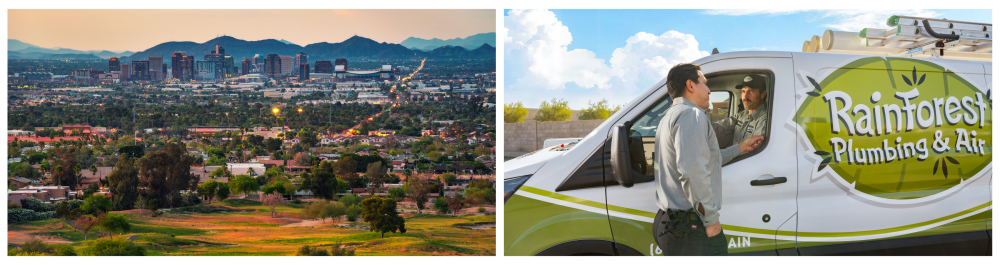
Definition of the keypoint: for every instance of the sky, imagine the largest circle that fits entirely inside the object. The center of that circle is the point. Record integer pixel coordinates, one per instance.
(136, 30)
(587, 55)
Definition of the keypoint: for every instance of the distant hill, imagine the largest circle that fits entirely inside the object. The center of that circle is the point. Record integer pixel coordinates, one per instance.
(33, 51)
(239, 49)
(484, 51)
(14, 45)
(286, 42)
(470, 41)
(358, 47)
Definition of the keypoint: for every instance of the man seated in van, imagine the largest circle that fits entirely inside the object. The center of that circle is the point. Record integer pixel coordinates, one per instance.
(749, 122)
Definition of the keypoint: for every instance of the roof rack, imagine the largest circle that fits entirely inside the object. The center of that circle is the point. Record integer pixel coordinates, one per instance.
(911, 37)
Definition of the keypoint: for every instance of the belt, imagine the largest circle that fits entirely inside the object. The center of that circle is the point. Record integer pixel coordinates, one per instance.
(679, 214)
(679, 221)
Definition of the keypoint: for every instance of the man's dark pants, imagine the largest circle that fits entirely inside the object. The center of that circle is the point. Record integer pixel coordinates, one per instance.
(681, 233)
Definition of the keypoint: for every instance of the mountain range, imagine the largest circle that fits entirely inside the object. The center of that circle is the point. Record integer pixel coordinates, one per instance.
(470, 41)
(21, 50)
(479, 46)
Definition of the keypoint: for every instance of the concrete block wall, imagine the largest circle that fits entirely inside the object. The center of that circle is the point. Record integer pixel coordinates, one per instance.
(530, 135)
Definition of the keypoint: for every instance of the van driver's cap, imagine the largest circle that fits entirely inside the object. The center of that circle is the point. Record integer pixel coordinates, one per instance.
(753, 81)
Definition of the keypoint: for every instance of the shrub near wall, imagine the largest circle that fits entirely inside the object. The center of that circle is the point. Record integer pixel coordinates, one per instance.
(25, 215)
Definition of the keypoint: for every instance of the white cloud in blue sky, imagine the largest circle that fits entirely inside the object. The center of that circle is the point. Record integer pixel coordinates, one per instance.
(588, 55)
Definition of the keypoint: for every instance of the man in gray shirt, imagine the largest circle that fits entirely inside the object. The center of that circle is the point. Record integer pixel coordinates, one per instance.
(749, 122)
(689, 175)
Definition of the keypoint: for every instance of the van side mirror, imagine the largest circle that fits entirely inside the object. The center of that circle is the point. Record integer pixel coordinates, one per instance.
(621, 159)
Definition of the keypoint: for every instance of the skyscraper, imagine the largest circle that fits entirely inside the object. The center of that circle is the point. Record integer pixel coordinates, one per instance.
(227, 65)
(140, 70)
(205, 70)
(286, 64)
(325, 67)
(257, 59)
(181, 67)
(126, 72)
(272, 66)
(114, 64)
(341, 61)
(300, 59)
(303, 72)
(246, 67)
(155, 73)
(219, 49)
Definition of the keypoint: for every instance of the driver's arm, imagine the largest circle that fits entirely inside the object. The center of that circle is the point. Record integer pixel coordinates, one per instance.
(724, 130)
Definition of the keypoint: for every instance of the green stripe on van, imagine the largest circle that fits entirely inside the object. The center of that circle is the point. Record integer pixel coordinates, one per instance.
(620, 209)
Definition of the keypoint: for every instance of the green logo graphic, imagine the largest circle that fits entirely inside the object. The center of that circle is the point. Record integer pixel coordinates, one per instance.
(898, 128)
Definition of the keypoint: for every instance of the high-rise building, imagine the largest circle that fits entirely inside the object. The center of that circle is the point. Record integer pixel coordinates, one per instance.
(219, 49)
(303, 72)
(126, 72)
(272, 66)
(114, 64)
(325, 67)
(140, 70)
(205, 70)
(155, 73)
(286, 64)
(257, 59)
(227, 66)
(300, 59)
(182, 66)
(341, 61)
(246, 67)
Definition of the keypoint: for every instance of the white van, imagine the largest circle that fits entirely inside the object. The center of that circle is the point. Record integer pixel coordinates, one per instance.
(863, 155)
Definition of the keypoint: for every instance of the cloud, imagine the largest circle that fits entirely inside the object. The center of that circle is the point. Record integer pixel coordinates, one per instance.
(536, 58)
(744, 12)
(844, 20)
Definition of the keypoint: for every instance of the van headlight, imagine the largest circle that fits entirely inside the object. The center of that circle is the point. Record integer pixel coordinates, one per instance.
(512, 184)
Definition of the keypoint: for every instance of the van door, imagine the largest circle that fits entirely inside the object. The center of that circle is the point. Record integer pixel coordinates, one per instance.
(751, 213)
(895, 156)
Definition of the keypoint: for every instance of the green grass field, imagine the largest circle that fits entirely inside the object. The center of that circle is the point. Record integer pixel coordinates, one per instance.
(247, 229)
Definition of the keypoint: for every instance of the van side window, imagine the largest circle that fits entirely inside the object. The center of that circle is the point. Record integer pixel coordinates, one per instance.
(642, 138)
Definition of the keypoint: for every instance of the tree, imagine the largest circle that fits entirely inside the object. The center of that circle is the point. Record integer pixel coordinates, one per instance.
(93, 170)
(397, 193)
(86, 223)
(441, 205)
(598, 111)
(223, 191)
(321, 182)
(514, 112)
(315, 210)
(243, 184)
(141, 203)
(455, 203)
(272, 144)
(165, 172)
(350, 200)
(209, 189)
(220, 172)
(96, 204)
(556, 110)
(115, 247)
(123, 183)
(116, 223)
(417, 188)
(381, 216)
(91, 189)
(333, 211)
(301, 159)
(449, 178)
(376, 175)
(273, 200)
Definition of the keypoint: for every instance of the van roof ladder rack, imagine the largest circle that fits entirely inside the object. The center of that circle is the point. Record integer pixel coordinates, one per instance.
(912, 37)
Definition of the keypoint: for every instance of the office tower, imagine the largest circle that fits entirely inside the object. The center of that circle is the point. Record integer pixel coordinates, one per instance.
(182, 66)
(325, 67)
(140, 70)
(219, 49)
(286, 64)
(205, 70)
(114, 64)
(246, 67)
(300, 59)
(155, 74)
(303, 72)
(227, 66)
(272, 66)
(126, 72)
(257, 59)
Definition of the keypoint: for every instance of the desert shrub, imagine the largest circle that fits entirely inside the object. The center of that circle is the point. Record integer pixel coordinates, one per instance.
(65, 250)
(337, 251)
(441, 206)
(12, 205)
(156, 213)
(481, 210)
(311, 251)
(34, 204)
(190, 198)
(241, 202)
(115, 247)
(25, 215)
(297, 201)
(353, 212)
(37, 246)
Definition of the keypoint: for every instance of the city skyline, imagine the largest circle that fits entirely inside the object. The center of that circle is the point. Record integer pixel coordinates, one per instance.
(47, 28)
